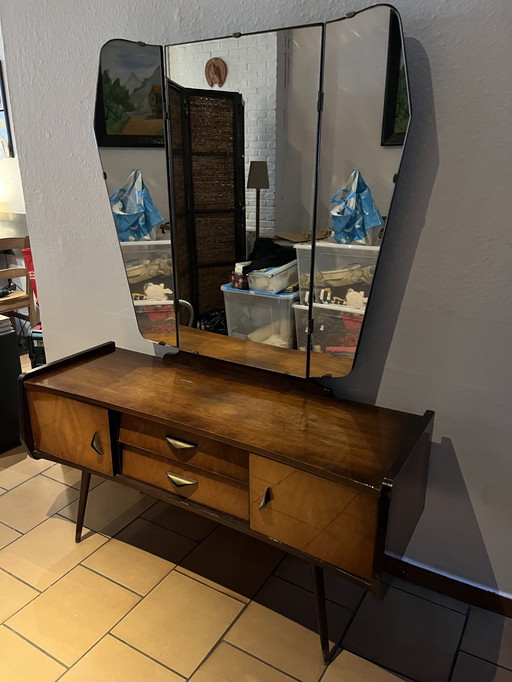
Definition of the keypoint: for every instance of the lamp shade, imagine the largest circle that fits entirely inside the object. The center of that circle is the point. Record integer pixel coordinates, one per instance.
(258, 175)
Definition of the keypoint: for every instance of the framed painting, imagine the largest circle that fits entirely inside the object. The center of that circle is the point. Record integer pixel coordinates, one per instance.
(129, 101)
(5, 128)
(396, 114)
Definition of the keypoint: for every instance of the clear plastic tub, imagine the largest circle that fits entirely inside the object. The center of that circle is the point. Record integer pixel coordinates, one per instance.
(338, 268)
(260, 317)
(274, 280)
(336, 328)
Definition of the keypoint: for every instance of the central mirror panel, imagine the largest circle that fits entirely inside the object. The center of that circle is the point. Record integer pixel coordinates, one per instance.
(274, 158)
(232, 146)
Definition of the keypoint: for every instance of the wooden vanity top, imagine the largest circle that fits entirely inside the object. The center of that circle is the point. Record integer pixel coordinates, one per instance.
(351, 442)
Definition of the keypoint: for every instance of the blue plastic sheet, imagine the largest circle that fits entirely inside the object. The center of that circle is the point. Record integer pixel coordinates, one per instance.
(135, 214)
(356, 215)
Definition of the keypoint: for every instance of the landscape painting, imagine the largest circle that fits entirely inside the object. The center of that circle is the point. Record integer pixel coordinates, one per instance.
(129, 103)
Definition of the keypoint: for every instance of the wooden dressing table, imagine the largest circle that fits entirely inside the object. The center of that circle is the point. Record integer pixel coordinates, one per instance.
(335, 482)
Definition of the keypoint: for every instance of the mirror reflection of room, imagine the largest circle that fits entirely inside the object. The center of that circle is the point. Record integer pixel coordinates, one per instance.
(249, 190)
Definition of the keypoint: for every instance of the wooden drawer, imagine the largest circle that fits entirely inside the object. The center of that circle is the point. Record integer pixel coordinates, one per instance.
(326, 519)
(206, 454)
(71, 430)
(213, 491)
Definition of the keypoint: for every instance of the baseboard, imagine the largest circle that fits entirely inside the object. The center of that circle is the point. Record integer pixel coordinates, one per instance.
(470, 594)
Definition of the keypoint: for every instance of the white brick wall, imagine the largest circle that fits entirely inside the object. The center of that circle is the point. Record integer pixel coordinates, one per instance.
(252, 71)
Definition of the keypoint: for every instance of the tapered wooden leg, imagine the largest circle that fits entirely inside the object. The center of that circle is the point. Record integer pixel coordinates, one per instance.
(84, 490)
(321, 612)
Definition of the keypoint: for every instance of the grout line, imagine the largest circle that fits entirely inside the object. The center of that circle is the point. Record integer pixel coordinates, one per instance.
(331, 601)
(143, 653)
(30, 478)
(485, 660)
(270, 665)
(212, 587)
(111, 580)
(457, 648)
(36, 646)
(221, 638)
(21, 581)
(430, 601)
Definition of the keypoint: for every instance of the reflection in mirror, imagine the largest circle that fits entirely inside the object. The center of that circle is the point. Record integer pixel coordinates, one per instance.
(243, 165)
(129, 126)
(360, 66)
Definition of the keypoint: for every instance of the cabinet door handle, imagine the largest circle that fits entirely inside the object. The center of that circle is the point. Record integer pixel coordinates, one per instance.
(179, 444)
(265, 499)
(180, 481)
(96, 444)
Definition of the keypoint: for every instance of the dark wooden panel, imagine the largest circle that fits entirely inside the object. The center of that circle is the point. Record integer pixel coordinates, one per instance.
(338, 439)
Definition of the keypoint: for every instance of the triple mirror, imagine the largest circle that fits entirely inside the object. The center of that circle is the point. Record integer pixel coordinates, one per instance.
(251, 179)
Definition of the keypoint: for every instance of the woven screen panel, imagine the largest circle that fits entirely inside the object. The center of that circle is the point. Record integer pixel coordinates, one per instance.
(213, 182)
(210, 280)
(178, 184)
(211, 124)
(175, 109)
(215, 235)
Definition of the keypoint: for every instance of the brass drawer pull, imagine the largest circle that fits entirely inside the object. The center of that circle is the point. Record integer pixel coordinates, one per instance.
(179, 444)
(96, 444)
(265, 499)
(180, 481)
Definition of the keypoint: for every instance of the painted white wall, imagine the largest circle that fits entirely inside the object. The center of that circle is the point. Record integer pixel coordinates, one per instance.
(446, 348)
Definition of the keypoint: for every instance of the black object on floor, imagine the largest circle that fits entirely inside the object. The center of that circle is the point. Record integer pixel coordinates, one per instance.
(36, 347)
(10, 369)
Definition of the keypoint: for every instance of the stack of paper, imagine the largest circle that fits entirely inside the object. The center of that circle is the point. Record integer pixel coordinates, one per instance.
(5, 325)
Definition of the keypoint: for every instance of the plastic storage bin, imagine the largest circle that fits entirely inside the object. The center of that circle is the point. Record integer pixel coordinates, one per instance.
(274, 280)
(336, 328)
(338, 268)
(260, 317)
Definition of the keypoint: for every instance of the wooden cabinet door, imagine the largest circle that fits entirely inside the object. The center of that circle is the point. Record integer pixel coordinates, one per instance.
(71, 430)
(328, 520)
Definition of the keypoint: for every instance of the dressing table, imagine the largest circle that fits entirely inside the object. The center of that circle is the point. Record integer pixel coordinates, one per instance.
(242, 432)
(335, 482)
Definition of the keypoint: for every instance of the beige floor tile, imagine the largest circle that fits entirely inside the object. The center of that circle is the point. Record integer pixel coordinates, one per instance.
(22, 662)
(110, 507)
(228, 664)
(16, 466)
(14, 595)
(33, 502)
(47, 552)
(286, 645)
(351, 668)
(156, 540)
(130, 566)
(7, 535)
(113, 661)
(70, 476)
(178, 622)
(181, 521)
(73, 614)
(232, 562)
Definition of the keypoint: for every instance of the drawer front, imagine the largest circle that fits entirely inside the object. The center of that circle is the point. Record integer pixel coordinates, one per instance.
(74, 431)
(206, 454)
(323, 518)
(213, 491)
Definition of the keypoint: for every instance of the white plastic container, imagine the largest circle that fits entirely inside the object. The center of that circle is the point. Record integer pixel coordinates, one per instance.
(332, 260)
(274, 280)
(336, 328)
(260, 317)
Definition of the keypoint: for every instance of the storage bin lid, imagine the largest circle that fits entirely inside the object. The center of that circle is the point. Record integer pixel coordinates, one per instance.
(248, 292)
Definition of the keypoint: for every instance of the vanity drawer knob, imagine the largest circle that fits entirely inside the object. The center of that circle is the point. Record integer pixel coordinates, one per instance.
(96, 444)
(180, 481)
(265, 499)
(179, 444)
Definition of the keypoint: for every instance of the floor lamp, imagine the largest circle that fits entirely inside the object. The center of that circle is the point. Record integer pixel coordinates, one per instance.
(258, 180)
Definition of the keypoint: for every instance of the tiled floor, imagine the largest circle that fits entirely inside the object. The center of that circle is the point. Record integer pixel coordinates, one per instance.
(156, 594)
